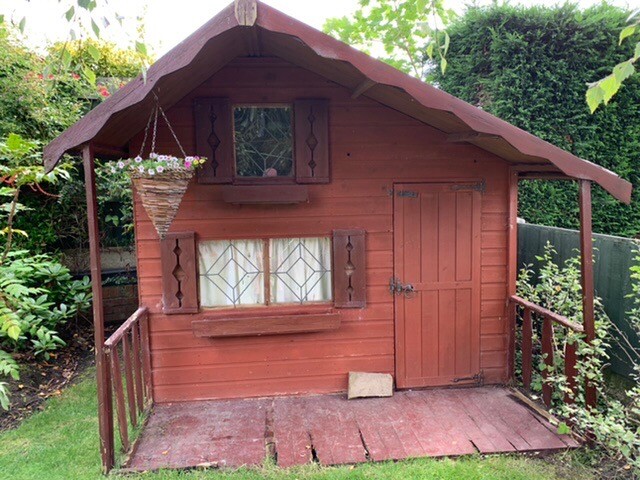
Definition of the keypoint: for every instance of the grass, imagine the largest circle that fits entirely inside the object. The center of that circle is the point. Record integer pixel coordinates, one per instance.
(61, 442)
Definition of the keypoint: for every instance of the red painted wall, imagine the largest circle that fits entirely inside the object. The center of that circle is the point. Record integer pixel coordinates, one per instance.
(372, 147)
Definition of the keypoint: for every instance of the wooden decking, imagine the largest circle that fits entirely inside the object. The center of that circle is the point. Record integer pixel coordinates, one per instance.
(332, 430)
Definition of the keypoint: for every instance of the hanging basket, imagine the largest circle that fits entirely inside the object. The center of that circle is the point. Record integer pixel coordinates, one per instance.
(161, 195)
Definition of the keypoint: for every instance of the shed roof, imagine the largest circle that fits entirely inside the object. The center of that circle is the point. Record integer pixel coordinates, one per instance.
(251, 28)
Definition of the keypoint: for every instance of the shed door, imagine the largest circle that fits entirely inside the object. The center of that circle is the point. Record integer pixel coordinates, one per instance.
(437, 252)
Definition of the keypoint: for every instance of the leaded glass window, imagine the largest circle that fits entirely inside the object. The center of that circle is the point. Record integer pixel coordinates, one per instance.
(263, 141)
(300, 270)
(233, 272)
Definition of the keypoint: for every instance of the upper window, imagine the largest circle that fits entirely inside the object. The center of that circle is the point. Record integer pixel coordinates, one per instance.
(233, 272)
(263, 141)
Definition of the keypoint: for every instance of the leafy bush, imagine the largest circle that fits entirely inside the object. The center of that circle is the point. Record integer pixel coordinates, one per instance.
(37, 293)
(530, 66)
(613, 424)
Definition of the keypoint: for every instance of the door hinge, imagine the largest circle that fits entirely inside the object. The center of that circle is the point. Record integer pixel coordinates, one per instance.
(478, 379)
(407, 193)
(478, 187)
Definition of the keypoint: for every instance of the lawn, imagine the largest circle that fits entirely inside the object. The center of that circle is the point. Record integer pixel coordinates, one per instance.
(61, 442)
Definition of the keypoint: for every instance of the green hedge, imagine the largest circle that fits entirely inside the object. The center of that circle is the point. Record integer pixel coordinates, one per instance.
(530, 66)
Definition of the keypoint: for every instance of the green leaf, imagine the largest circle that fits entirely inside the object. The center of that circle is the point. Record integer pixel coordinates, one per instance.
(94, 52)
(141, 48)
(610, 86)
(95, 28)
(623, 70)
(89, 75)
(65, 58)
(70, 13)
(627, 32)
(14, 332)
(563, 429)
(22, 24)
(595, 96)
(1, 19)
(636, 54)
(443, 64)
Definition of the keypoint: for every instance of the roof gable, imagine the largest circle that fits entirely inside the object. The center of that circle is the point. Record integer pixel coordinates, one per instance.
(251, 28)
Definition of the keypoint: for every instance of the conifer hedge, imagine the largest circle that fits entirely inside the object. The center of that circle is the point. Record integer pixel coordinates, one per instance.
(530, 66)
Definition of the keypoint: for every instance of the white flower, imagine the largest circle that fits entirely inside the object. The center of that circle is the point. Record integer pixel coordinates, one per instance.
(151, 171)
(121, 164)
(141, 169)
(162, 158)
(113, 170)
(189, 159)
(153, 155)
(160, 169)
(138, 159)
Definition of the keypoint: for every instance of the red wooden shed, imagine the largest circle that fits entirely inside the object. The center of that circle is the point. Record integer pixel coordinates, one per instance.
(349, 218)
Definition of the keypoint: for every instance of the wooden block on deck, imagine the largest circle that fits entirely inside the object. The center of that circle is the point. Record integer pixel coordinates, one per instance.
(363, 385)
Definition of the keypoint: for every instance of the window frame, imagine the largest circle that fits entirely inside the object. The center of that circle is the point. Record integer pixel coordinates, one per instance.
(266, 284)
(242, 180)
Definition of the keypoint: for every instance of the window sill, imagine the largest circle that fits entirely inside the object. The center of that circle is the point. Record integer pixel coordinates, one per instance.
(267, 194)
(265, 323)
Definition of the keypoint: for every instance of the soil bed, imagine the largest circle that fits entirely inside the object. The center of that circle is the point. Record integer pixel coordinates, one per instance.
(41, 379)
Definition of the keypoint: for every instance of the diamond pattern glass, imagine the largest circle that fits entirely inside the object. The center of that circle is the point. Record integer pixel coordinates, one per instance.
(231, 273)
(300, 270)
(263, 141)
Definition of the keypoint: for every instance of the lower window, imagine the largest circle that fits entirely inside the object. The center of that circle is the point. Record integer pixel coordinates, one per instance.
(263, 272)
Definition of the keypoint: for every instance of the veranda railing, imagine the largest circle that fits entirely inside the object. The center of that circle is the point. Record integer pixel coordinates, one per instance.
(531, 312)
(127, 354)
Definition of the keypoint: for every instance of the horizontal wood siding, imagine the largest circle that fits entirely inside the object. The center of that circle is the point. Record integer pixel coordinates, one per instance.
(371, 147)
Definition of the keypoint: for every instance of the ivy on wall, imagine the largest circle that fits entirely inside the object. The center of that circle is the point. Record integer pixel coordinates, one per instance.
(530, 66)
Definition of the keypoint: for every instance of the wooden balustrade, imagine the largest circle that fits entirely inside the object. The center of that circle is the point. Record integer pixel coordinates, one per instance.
(549, 321)
(127, 354)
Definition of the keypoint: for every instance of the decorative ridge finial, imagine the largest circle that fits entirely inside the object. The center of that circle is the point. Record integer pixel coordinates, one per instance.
(246, 12)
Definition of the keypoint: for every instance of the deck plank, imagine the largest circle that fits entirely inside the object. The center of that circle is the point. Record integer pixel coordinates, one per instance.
(435, 422)
(293, 445)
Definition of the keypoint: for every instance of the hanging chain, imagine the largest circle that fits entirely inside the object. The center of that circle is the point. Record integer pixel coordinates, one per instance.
(155, 130)
(154, 116)
(146, 134)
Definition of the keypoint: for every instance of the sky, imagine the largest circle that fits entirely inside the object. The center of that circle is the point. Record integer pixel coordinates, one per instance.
(167, 22)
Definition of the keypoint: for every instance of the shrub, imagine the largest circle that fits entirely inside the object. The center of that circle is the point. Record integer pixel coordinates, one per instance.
(613, 424)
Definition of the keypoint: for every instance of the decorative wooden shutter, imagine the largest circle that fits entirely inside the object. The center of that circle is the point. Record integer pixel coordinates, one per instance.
(179, 275)
(214, 139)
(349, 269)
(312, 140)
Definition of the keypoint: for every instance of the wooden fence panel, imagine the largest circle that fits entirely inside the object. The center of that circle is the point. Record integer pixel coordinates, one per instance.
(613, 258)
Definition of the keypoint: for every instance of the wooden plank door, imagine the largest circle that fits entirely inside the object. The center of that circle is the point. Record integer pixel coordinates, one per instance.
(437, 251)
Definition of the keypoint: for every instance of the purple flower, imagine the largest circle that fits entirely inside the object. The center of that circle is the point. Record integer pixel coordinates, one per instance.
(138, 159)
(121, 164)
(187, 165)
(153, 155)
(160, 169)
(151, 171)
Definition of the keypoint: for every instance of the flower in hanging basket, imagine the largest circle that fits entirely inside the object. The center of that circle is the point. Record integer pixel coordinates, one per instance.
(161, 181)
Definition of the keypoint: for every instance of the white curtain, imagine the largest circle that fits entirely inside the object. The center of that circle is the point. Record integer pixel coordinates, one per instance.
(300, 270)
(231, 272)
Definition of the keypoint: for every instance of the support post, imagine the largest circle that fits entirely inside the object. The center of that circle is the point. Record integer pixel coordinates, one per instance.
(105, 405)
(512, 272)
(586, 262)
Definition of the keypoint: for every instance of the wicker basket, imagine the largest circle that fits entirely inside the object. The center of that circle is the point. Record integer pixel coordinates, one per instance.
(161, 195)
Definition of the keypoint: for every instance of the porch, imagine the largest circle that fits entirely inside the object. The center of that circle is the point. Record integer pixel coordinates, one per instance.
(331, 430)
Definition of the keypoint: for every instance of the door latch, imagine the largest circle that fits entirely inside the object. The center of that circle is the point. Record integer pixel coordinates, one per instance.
(397, 288)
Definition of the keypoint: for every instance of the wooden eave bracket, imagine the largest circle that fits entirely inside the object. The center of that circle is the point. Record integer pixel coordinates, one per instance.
(246, 12)
(362, 87)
